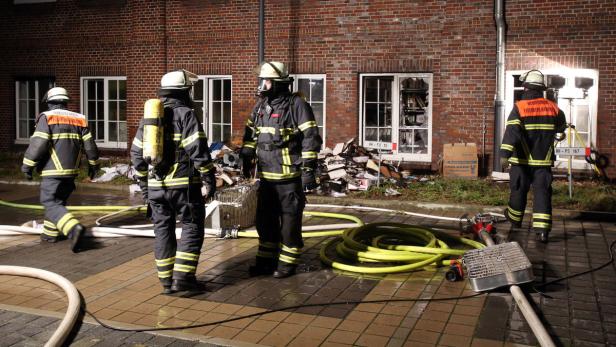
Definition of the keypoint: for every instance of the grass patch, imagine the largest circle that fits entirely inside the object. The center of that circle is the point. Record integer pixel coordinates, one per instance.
(588, 195)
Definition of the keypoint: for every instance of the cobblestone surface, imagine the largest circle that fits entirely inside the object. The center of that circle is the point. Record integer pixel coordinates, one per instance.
(27, 330)
(117, 279)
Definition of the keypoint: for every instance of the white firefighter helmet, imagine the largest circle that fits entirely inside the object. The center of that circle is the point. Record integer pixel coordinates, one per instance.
(178, 80)
(274, 70)
(56, 94)
(533, 78)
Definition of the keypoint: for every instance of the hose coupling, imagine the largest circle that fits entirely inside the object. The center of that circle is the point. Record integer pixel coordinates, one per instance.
(229, 233)
(455, 273)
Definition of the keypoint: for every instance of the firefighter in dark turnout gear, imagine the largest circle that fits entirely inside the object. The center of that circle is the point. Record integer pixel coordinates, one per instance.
(55, 151)
(282, 134)
(528, 145)
(174, 186)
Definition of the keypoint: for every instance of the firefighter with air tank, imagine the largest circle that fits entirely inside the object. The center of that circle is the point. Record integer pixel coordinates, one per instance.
(175, 172)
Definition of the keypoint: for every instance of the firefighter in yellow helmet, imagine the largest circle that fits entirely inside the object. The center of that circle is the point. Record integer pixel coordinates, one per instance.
(528, 145)
(175, 181)
(55, 149)
(282, 135)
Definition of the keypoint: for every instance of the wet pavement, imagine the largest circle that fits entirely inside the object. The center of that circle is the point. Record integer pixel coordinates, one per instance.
(118, 281)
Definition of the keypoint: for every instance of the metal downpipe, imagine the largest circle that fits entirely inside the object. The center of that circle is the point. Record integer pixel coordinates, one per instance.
(499, 100)
(261, 31)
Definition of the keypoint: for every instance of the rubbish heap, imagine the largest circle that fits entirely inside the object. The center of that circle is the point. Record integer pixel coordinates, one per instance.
(347, 167)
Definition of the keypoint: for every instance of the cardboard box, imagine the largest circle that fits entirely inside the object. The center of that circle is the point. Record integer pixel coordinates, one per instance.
(460, 160)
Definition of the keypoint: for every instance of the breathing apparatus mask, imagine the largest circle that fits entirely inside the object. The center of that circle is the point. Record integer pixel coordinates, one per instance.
(273, 79)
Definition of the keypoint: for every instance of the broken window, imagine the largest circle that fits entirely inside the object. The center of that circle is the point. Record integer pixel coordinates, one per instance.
(395, 114)
(29, 93)
(103, 102)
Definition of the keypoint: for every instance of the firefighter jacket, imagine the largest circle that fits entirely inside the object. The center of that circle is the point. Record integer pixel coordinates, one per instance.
(56, 146)
(284, 135)
(186, 155)
(531, 127)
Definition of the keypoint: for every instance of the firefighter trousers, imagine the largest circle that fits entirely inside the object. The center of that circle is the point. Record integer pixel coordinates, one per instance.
(54, 194)
(279, 221)
(522, 177)
(177, 259)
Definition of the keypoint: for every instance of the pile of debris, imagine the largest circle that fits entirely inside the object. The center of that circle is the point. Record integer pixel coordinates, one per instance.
(351, 167)
(347, 167)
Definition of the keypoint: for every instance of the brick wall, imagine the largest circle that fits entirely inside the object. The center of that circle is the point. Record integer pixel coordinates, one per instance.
(455, 40)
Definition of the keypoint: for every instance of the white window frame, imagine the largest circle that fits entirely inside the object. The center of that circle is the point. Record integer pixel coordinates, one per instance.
(315, 76)
(591, 100)
(395, 116)
(26, 140)
(105, 143)
(208, 125)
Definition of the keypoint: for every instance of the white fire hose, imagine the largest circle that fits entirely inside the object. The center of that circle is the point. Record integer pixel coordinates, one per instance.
(74, 300)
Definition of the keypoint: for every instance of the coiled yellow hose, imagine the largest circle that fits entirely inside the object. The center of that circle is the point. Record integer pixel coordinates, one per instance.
(401, 249)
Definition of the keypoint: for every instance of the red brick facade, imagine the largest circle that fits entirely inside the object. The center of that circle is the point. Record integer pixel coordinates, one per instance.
(454, 40)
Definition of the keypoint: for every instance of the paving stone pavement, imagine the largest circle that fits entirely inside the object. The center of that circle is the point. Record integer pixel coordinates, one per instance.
(29, 330)
(119, 284)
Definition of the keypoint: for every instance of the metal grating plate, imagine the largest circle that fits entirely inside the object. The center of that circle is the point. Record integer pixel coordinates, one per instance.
(496, 266)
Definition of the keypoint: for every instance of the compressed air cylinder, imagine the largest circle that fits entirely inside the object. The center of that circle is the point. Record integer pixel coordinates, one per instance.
(153, 131)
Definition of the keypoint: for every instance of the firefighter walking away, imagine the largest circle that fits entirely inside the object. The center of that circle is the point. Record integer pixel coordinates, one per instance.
(171, 157)
(528, 146)
(282, 136)
(55, 150)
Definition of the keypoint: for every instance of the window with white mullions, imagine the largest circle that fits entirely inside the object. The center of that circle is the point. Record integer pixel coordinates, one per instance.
(103, 102)
(116, 96)
(312, 88)
(377, 105)
(396, 114)
(29, 104)
(220, 106)
(213, 108)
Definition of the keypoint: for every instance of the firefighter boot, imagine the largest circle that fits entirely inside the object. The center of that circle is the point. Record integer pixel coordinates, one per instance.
(166, 282)
(263, 266)
(48, 238)
(285, 270)
(76, 235)
(189, 284)
(515, 224)
(542, 235)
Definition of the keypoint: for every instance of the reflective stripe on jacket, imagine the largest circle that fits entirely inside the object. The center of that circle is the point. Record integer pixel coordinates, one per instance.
(57, 142)
(284, 135)
(530, 130)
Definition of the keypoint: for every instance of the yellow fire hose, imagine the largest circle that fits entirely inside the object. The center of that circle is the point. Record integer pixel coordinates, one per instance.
(349, 245)
(70, 208)
(399, 249)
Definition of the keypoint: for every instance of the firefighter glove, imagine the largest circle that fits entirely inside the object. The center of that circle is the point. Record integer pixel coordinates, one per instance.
(209, 185)
(92, 171)
(309, 180)
(148, 211)
(504, 163)
(27, 170)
